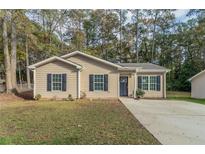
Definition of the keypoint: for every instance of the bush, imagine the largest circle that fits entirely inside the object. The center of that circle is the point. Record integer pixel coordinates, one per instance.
(82, 95)
(38, 97)
(139, 93)
(70, 98)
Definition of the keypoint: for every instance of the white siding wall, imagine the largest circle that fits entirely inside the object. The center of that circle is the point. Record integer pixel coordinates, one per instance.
(198, 86)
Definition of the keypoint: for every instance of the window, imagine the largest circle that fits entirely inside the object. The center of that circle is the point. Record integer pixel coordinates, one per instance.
(57, 82)
(151, 83)
(145, 83)
(98, 82)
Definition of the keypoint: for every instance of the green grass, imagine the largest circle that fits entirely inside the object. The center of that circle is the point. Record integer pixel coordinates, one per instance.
(61, 122)
(185, 96)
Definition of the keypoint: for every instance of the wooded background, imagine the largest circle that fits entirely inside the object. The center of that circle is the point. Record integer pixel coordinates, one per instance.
(155, 36)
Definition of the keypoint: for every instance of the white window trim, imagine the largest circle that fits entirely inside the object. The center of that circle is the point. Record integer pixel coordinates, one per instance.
(153, 83)
(57, 82)
(149, 82)
(98, 82)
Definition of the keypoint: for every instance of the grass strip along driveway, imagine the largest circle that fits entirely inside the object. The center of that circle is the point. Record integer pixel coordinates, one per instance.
(77, 122)
(184, 96)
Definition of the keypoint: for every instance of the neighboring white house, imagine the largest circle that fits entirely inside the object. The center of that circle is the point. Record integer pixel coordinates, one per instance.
(198, 85)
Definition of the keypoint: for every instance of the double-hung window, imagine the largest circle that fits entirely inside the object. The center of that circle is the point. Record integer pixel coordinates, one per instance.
(98, 82)
(145, 80)
(149, 83)
(153, 83)
(57, 82)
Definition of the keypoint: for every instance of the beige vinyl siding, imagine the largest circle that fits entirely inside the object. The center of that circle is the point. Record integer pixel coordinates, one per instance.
(153, 94)
(91, 66)
(198, 86)
(131, 85)
(56, 67)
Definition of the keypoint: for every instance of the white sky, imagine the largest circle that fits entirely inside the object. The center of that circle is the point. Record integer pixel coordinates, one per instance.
(181, 14)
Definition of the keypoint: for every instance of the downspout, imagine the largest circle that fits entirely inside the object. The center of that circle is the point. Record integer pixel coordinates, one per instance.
(118, 85)
(165, 85)
(135, 87)
(78, 89)
(135, 81)
(34, 83)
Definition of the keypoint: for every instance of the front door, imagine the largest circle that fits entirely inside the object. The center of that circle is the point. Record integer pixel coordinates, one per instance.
(123, 86)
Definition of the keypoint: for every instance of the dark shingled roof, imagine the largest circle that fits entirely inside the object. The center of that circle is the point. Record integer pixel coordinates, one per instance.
(143, 65)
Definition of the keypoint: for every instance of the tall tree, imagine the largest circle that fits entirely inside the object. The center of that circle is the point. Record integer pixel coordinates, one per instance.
(7, 64)
(154, 33)
(13, 49)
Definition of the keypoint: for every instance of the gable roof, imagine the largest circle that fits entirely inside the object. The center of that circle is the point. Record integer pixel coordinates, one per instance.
(90, 56)
(52, 59)
(145, 66)
(200, 73)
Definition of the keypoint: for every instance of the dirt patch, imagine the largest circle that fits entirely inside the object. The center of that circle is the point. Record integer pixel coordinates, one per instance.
(9, 97)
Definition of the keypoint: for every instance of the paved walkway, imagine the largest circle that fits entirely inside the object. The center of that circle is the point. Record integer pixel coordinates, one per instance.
(171, 122)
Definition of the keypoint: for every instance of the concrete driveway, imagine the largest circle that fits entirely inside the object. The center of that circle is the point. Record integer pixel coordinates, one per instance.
(171, 122)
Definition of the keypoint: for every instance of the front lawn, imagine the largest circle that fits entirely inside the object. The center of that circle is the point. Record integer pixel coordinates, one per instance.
(61, 122)
(185, 96)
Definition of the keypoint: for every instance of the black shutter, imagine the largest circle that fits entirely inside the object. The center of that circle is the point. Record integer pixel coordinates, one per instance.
(105, 82)
(48, 82)
(139, 82)
(64, 77)
(158, 83)
(91, 82)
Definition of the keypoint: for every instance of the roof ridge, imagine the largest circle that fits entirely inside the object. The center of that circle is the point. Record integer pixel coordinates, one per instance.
(90, 56)
(33, 66)
(201, 72)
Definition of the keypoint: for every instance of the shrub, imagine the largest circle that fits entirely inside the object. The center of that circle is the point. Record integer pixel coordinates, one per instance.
(70, 97)
(38, 97)
(82, 95)
(139, 93)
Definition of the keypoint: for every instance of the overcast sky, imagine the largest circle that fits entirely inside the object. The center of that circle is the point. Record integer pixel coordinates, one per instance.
(181, 15)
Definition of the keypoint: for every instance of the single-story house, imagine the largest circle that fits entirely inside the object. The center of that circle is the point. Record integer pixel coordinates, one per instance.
(198, 85)
(78, 74)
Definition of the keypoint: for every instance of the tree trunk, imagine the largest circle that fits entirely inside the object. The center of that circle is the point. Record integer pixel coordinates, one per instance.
(120, 35)
(154, 33)
(13, 54)
(50, 40)
(6, 54)
(27, 64)
(19, 73)
(137, 36)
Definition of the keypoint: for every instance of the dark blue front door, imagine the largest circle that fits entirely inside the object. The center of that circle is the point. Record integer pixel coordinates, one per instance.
(123, 86)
